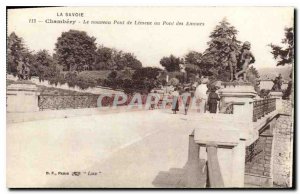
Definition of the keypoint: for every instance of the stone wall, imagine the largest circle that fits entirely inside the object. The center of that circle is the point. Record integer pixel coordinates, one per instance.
(283, 150)
(56, 102)
(258, 155)
(287, 107)
(269, 159)
(50, 102)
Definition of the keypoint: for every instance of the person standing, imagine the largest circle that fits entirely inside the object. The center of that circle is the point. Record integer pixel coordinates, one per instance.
(213, 99)
(175, 104)
(201, 95)
(186, 98)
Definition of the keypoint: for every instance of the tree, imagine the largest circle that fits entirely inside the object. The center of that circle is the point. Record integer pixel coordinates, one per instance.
(43, 65)
(112, 59)
(193, 57)
(215, 58)
(145, 79)
(252, 76)
(171, 63)
(16, 52)
(131, 61)
(103, 58)
(191, 72)
(284, 54)
(75, 49)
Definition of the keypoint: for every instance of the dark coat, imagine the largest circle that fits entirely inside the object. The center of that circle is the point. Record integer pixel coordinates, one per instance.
(213, 99)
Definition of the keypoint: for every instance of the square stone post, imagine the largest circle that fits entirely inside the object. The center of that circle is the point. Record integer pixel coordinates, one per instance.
(242, 97)
(230, 153)
(278, 97)
(22, 97)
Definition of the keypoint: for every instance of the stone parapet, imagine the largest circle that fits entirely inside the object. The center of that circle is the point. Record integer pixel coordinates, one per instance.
(22, 97)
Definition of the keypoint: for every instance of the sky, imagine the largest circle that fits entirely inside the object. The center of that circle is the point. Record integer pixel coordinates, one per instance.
(149, 43)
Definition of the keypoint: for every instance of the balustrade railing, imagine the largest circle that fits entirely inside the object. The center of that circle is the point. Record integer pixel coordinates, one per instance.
(263, 107)
(214, 178)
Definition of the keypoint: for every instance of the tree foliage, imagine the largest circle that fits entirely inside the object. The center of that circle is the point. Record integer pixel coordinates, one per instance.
(109, 59)
(75, 49)
(16, 52)
(103, 58)
(214, 61)
(44, 66)
(193, 57)
(284, 54)
(252, 76)
(171, 63)
(146, 78)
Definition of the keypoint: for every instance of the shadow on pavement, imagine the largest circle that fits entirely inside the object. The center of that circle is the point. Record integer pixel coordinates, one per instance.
(177, 177)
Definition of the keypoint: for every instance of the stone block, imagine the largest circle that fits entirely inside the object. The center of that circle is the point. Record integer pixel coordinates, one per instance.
(267, 149)
(22, 97)
(266, 174)
(258, 180)
(267, 157)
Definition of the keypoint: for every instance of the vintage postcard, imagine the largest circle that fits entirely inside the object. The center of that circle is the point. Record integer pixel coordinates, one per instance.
(150, 97)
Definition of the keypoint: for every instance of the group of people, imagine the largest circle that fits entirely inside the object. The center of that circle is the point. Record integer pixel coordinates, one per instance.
(205, 100)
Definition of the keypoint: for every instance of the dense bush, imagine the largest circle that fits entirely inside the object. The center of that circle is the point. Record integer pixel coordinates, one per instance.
(71, 78)
(57, 79)
(85, 82)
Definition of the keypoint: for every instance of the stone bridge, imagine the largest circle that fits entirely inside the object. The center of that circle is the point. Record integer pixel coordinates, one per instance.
(250, 148)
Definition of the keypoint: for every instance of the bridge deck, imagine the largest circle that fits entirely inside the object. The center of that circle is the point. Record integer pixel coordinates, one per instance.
(131, 149)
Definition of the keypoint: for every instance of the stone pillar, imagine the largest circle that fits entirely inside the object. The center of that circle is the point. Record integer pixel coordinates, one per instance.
(238, 156)
(193, 164)
(242, 97)
(278, 96)
(22, 97)
(230, 153)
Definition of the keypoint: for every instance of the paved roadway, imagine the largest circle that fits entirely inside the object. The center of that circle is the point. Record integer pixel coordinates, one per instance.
(130, 149)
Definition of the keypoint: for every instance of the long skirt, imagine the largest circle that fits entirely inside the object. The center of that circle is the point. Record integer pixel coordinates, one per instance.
(201, 105)
(175, 105)
(213, 107)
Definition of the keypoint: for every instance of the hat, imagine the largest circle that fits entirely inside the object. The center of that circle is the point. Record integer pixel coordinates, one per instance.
(186, 89)
(204, 80)
(213, 88)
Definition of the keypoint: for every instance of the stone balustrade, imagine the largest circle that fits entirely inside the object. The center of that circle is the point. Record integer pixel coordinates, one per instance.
(233, 133)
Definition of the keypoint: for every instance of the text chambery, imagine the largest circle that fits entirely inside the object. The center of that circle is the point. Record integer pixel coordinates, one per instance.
(63, 21)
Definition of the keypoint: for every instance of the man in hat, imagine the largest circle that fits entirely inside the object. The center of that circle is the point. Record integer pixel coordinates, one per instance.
(246, 59)
(213, 99)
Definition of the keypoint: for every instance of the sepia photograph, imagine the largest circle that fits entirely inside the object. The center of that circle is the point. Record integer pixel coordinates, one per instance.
(150, 97)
